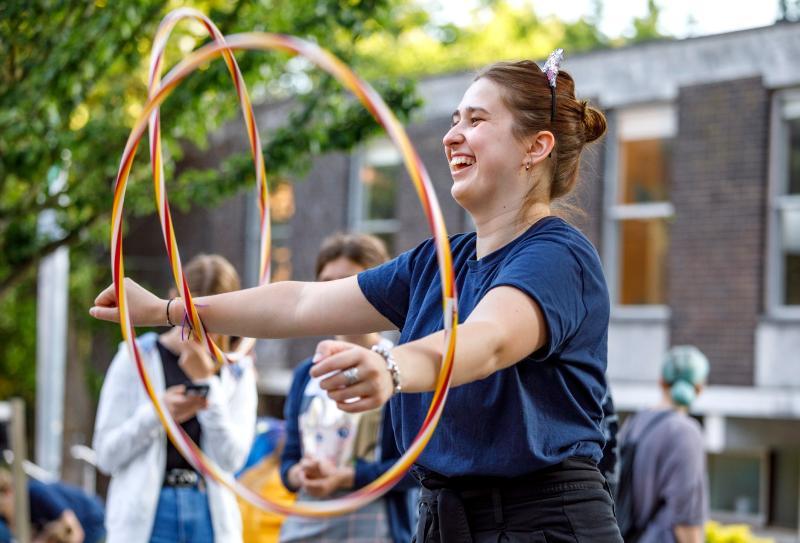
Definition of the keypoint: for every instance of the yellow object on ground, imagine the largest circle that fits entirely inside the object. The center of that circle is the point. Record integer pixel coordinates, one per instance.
(733, 533)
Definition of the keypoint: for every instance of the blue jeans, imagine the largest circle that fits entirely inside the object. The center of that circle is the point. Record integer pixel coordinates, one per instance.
(182, 516)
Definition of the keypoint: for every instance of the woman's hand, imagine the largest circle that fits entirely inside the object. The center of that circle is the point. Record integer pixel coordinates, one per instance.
(181, 406)
(146, 309)
(195, 361)
(321, 478)
(361, 381)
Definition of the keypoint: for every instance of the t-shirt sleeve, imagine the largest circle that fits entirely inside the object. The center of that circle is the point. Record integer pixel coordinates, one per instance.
(388, 286)
(550, 274)
(684, 486)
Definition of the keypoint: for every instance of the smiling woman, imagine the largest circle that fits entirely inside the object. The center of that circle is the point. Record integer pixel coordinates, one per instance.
(530, 356)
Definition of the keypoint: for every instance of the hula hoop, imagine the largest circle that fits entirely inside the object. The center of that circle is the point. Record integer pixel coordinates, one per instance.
(156, 162)
(375, 105)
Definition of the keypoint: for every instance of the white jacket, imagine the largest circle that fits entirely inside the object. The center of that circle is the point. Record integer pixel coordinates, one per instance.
(131, 444)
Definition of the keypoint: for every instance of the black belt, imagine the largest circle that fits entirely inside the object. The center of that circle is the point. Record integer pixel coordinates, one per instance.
(182, 478)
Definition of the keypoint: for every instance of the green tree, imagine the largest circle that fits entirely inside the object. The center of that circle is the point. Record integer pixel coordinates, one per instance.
(73, 80)
(499, 30)
(646, 28)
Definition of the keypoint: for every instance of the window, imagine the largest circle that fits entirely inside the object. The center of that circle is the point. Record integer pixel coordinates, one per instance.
(783, 277)
(638, 207)
(784, 488)
(737, 485)
(377, 173)
(281, 209)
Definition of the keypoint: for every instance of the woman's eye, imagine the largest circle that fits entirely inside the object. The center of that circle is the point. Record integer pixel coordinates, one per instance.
(476, 121)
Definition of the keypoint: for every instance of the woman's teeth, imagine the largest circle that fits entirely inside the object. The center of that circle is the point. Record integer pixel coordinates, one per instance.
(460, 162)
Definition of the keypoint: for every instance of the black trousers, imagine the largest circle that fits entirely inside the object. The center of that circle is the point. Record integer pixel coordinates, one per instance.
(567, 503)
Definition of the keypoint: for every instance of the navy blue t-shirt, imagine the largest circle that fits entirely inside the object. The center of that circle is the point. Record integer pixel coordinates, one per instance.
(543, 409)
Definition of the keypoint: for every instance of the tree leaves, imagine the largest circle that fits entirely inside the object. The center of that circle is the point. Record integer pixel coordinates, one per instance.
(74, 79)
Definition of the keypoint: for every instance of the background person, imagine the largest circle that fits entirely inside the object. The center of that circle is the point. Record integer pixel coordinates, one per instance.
(388, 519)
(155, 494)
(59, 512)
(668, 484)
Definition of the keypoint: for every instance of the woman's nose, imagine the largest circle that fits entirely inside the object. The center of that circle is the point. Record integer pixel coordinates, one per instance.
(453, 136)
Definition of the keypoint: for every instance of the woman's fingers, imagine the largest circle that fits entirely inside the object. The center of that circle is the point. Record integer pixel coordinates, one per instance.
(146, 309)
(330, 347)
(359, 390)
(105, 305)
(107, 298)
(359, 406)
(105, 313)
(335, 357)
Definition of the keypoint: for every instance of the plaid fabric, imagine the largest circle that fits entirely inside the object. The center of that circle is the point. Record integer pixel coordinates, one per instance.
(367, 525)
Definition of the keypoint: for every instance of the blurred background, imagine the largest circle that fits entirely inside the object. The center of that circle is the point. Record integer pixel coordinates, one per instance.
(692, 198)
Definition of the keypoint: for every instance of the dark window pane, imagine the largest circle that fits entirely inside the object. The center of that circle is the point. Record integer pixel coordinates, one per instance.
(784, 490)
(735, 483)
(643, 251)
(380, 189)
(790, 247)
(645, 167)
(794, 156)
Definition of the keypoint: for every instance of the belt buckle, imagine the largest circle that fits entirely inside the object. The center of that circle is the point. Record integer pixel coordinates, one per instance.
(181, 477)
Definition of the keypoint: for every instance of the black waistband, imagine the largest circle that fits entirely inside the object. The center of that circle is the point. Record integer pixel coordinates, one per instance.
(570, 470)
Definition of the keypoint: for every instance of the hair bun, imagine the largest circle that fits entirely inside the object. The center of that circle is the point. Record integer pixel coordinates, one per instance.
(594, 123)
(683, 392)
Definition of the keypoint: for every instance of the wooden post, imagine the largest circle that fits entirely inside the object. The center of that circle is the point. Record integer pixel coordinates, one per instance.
(22, 525)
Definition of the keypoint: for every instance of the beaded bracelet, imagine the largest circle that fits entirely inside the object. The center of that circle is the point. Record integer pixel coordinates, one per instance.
(391, 365)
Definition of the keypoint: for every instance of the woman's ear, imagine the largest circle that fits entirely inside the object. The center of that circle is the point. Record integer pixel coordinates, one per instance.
(540, 146)
(698, 389)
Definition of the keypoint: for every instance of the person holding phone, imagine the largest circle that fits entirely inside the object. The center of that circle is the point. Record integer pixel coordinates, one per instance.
(155, 494)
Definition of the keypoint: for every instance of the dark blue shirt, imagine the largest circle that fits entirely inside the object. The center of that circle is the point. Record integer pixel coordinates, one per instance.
(541, 410)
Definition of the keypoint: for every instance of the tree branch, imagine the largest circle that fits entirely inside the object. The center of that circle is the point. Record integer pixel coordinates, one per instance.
(22, 269)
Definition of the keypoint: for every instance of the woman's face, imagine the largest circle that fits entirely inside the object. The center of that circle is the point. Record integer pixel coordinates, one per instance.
(339, 269)
(485, 158)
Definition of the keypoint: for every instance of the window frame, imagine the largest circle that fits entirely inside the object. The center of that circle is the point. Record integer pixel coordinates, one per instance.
(357, 193)
(761, 455)
(785, 106)
(632, 123)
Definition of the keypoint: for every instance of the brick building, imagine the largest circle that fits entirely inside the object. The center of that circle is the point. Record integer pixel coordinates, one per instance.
(692, 199)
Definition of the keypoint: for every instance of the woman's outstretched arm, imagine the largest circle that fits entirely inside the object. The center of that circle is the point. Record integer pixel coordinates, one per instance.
(505, 327)
(278, 310)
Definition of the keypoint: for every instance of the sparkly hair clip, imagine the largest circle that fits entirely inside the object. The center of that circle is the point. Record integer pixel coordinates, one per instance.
(550, 69)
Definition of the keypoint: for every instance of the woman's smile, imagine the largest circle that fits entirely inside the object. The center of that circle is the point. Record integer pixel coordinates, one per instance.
(459, 163)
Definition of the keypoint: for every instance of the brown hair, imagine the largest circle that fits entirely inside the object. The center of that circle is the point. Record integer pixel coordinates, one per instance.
(527, 95)
(211, 274)
(365, 250)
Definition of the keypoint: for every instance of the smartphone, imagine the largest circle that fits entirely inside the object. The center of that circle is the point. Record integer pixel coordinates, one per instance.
(193, 389)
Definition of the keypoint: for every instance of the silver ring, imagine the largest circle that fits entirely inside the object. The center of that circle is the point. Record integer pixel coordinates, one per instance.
(350, 376)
